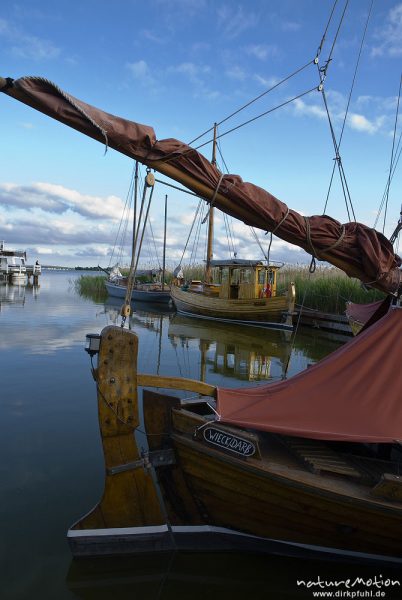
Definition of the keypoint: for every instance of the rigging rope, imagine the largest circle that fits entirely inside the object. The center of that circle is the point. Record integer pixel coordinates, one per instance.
(393, 162)
(392, 155)
(135, 254)
(200, 203)
(324, 35)
(310, 62)
(122, 220)
(349, 100)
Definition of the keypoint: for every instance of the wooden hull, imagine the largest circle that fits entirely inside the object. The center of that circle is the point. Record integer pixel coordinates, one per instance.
(140, 295)
(266, 312)
(274, 507)
(204, 485)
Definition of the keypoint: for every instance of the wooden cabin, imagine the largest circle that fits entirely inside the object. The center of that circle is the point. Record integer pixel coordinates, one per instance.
(242, 279)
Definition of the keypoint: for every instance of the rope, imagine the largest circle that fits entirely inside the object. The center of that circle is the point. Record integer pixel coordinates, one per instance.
(326, 30)
(273, 231)
(191, 230)
(176, 187)
(313, 251)
(296, 72)
(392, 155)
(396, 161)
(213, 198)
(296, 329)
(126, 309)
(349, 100)
(254, 119)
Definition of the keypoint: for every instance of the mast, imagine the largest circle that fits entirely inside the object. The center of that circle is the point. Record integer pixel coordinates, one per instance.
(210, 238)
(164, 246)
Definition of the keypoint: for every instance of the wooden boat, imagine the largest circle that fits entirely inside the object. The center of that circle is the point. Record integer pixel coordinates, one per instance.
(241, 291)
(145, 292)
(207, 482)
(306, 466)
(154, 289)
(235, 291)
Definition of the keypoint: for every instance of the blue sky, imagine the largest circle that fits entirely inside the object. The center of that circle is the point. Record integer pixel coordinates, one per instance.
(179, 66)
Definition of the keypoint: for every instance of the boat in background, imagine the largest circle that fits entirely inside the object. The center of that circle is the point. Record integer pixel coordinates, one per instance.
(235, 290)
(144, 285)
(240, 291)
(13, 267)
(152, 291)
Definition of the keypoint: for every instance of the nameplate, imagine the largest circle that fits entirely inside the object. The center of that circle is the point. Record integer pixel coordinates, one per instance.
(227, 441)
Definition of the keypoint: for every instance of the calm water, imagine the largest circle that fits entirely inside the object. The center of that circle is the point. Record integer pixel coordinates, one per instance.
(52, 467)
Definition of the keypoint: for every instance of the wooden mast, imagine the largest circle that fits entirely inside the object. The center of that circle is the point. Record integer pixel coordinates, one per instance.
(164, 247)
(211, 221)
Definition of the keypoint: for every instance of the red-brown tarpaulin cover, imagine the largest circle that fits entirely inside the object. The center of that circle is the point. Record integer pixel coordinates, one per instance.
(359, 250)
(355, 394)
(362, 312)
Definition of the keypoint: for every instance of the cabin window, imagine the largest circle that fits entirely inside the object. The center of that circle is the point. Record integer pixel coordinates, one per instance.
(271, 277)
(225, 275)
(234, 277)
(216, 275)
(261, 276)
(246, 275)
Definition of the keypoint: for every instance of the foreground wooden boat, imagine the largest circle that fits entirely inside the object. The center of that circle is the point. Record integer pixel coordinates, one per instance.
(205, 482)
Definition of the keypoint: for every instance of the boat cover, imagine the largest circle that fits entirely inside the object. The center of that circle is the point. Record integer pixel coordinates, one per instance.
(359, 250)
(355, 394)
(362, 312)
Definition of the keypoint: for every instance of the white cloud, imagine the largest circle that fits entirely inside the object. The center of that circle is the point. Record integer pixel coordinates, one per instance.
(58, 199)
(262, 51)
(22, 45)
(361, 123)
(139, 69)
(302, 108)
(40, 250)
(236, 73)
(266, 82)
(290, 26)
(390, 36)
(233, 21)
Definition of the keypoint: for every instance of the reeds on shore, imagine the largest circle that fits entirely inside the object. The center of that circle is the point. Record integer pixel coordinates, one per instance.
(327, 289)
(91, 286)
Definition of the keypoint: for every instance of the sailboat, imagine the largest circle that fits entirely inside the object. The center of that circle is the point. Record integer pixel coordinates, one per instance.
(236, 290)
(154, 289)
(304, 466)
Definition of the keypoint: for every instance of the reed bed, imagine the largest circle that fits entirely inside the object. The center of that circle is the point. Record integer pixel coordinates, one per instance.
(327, 289)
(91, 286)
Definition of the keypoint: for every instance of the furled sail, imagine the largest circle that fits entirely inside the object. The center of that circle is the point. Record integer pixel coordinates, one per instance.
(354, 394)
(359, 250)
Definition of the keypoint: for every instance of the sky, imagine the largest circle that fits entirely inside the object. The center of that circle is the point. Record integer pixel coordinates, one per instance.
(179, 66)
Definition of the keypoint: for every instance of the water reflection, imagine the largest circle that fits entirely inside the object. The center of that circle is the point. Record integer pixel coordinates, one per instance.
(16, 293)
(234, 351)
(231, 576)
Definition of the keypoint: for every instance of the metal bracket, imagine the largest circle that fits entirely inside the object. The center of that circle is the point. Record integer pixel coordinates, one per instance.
(157, 458)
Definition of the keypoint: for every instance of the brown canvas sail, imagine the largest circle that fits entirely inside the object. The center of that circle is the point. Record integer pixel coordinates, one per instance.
(359, 250)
